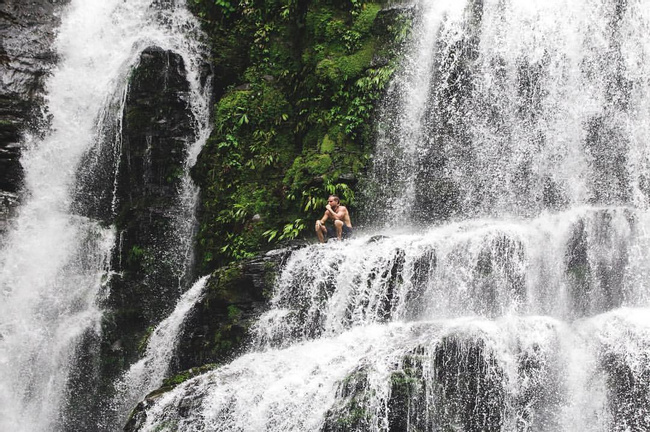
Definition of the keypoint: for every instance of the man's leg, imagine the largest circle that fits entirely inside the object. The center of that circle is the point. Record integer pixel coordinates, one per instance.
(338, 224)
(320, 231)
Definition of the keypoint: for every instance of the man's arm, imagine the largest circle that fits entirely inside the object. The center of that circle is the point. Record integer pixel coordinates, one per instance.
(336, 215)
(324, 218)
(321, 221)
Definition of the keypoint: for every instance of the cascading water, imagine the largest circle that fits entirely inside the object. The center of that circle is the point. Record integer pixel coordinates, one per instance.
(525, 124)
(54, 263)
(483, 325)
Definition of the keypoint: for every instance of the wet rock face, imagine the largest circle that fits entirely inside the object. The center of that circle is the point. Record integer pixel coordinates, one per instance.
(157, 127)
(27, 31)
(470, 383)
(628, 380)
(218, 328)
(352, 409)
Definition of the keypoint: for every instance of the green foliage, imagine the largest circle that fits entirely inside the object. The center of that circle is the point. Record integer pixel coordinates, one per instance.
(289, 232)
(295, 118)
(226, 6)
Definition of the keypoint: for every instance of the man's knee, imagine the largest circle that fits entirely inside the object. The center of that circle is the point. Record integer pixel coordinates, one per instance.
(338, 223)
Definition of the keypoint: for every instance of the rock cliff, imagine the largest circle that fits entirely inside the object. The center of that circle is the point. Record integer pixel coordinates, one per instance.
(27, 30)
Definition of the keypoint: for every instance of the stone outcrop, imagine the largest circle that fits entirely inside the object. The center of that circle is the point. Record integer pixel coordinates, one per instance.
(27, 30)
(217, 330)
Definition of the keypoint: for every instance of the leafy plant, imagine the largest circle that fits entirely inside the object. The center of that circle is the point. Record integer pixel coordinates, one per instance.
(289, 232)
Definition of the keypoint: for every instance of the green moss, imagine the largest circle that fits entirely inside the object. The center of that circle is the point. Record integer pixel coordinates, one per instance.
(354, 64)
(328, 145)
(318, 164)
(181, 377)
(142, 345)
(366, 18)
(166, 426)
(234, 313)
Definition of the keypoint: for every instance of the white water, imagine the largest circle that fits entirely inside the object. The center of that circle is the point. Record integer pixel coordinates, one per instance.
(500, 284)
(404, 125)
(149, 372)
(486, 268)
(528, 314)
(509, 120)
(53, 264)
(293, 389)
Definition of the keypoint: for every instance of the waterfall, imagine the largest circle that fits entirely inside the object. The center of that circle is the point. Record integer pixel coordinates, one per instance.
(532, 106)
(514, 145)
(480, 325)
(55, 263)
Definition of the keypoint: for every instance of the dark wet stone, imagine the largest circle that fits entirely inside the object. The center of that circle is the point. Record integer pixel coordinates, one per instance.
(407, 406)
(218, 328)
(596, 279)
(27, 30)
(628, 383)
(351, 410)
(376, 238)
(470, 381)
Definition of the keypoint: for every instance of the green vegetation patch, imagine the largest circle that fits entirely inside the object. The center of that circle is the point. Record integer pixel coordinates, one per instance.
(293, 120)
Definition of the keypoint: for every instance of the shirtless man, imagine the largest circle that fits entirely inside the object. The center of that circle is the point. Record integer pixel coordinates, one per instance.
(341, 217)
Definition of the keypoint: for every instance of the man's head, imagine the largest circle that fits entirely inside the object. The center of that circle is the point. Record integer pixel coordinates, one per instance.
(333, 200)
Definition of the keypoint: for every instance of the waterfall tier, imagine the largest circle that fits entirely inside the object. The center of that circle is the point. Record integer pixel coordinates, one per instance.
(516, 135)
(482, 325)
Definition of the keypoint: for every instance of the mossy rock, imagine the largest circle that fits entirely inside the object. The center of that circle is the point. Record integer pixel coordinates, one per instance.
(351, 410)
(218, 328)
(327, 145)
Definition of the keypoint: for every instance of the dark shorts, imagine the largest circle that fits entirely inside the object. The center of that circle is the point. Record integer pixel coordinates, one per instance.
(347, 232)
